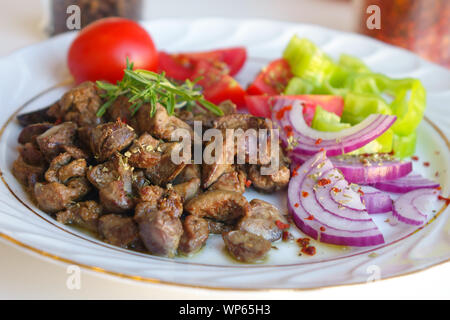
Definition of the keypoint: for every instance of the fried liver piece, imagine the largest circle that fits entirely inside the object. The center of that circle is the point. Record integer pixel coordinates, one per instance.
(120, 109)
(52, 141)
(187, 184)
(231, 181)
(223, 163)
(245, 246)
(27, 174)
(83, 214)
(159, 230)
(262, 220)
(194, 236)
(79, 105)
(114, 181)
(30, 132)
(108, 138)
(160, 227)
(143, 152)
(268, 183)
(218, 227)
(218, 205)
(161, 125)
(54, 196)
(165, 170)
(118, 230)
(62, 168)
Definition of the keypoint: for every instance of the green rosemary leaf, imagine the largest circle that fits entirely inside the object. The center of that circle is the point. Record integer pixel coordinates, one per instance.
(105, 107)
(211, 107)
(143, 86)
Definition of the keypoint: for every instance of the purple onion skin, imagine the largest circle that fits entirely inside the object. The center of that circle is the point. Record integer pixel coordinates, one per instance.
(360, 174)
(377, 202)
(336, 240)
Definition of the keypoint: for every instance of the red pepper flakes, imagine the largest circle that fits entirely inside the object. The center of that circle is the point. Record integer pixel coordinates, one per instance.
(248, 183)
(360, 192)
(305, 247)
(318, 141)
(309, 250)
(303, 242)
(280, 113)
(322, 229)
(415, 158)
(426, 164)
(286, 236)
(323, 182)
(282, 225)
(311, 217)
(119, 119)
(447, 200)
(336, 190)
(296, 205)
(295, 171)
(289, 131)
(305, 194)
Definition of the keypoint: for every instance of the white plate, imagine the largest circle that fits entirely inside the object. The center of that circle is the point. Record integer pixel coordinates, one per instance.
(30, 79)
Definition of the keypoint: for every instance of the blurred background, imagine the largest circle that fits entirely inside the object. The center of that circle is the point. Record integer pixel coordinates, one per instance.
(422, 26)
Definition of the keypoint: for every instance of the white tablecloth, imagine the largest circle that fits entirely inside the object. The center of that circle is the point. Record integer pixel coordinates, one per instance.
(23, 275)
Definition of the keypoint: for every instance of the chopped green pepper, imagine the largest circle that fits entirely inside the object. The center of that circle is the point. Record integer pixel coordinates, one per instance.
(364, 92)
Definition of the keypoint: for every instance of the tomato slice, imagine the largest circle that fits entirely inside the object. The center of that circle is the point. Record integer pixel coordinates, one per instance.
(176, 66)
(232, 59)
(261, 105)
(181, 66)
(272, 79)
(217, 85)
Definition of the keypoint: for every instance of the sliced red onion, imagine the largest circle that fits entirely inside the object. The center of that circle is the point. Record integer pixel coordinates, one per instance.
(410, 207)
(376, 201)
(406, 184)
(345, 196)
(305, 140)
(365, 169)
(320, 216)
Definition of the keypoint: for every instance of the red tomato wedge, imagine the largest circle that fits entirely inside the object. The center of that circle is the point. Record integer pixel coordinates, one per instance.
(176, 66)
(181, 66)
(217, 85)
(261, 105)
(272, 79)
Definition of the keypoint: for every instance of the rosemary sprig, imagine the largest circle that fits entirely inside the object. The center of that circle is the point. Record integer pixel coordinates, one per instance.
(143, 86)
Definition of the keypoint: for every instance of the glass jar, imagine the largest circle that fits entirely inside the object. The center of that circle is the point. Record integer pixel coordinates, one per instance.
(61, 14)
(422, 26)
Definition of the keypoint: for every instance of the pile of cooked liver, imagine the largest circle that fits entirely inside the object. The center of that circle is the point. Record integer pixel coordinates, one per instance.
(113, 175)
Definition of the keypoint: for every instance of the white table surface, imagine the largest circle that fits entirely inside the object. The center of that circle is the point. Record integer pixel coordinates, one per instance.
(27, 276)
